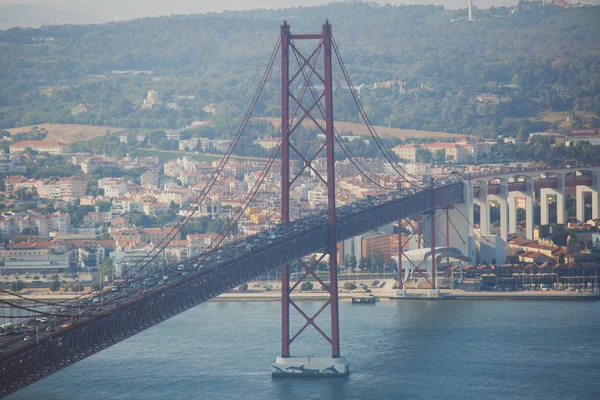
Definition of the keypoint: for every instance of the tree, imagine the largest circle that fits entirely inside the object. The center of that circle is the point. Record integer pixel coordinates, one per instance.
(377, 259)
(391, 265)
(306, 285)
(362, 263)
(423, 156)
(55, 285)
(349, 286)
(96, 287)
(352, 262)
(30, 231)
(17, 286)
(77, 286)
(107, 268)
(439, 157)
(573, 242)
(322, 266)
(143, 220)
(523, 134)
(66, 286)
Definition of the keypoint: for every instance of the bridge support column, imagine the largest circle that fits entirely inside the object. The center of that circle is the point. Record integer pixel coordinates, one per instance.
(595, 198)
(286, 365)
(484, 209)
(512, 213)
(461, 218)
(400, 284)
(544, 209)
(503, 205)
(580, 203)
(528, 195)
(559, 192)
(502, 199)
(529, 216)
(432, 244)
(595, 205)
(285, 184)
(560, 199)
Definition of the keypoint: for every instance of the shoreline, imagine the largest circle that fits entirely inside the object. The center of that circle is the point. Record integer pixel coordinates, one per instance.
(411, 295)
(381, 294)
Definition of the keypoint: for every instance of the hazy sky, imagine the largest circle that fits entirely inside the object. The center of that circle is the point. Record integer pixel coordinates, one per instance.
(36, 12)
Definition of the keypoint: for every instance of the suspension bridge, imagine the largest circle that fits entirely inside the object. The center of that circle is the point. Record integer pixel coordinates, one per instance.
(304, 93)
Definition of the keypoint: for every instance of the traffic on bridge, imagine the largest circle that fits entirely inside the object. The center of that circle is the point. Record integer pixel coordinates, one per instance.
(64, 332)
(72, 331)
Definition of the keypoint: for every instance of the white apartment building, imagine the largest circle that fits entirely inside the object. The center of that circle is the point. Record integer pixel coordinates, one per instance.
(318, 195)
(91, 164)
(67, 189)
(13, 224)
(12, 163)
(35, 257)
(113, 187)
(267, 143)
(122, 205)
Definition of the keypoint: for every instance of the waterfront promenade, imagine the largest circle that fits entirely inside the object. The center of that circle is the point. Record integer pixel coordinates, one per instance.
(271, 291)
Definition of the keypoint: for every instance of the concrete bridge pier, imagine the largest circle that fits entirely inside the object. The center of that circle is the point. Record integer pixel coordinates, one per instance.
(461, 215)
(559, 193)
(484, 208)
(527, 193)
(512, 213)
(502, 199)
(580, 192)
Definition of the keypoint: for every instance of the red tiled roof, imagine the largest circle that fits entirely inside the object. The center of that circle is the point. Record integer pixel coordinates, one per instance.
(37, 143)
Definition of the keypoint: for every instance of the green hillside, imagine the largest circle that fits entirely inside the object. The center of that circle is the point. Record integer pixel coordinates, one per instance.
(533, 62)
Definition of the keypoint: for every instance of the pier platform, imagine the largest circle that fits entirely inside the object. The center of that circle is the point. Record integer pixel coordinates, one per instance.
(308, 367)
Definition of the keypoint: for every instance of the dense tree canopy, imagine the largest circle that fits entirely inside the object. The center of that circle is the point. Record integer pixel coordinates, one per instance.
(532, 61)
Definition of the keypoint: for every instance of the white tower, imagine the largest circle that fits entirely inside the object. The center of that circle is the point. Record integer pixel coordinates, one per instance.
(470, 10)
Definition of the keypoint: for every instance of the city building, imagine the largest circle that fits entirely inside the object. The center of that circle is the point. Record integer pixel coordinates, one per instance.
(155, 209)
(91, 164)
(11, 163)
(90, 256)
(113, 187)
(35, 257)
(383, 244)
(41, 146)
(267, 143)
(147, 235)
(591, 135)
(464, 150)
(149, 178)
(12, 224)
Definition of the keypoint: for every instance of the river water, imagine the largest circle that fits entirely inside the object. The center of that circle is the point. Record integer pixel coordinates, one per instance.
(397, 350)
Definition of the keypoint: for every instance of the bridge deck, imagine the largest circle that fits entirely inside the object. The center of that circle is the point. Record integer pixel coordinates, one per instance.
(28, 362)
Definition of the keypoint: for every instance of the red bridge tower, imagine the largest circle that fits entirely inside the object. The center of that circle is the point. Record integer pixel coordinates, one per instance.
(286, 365)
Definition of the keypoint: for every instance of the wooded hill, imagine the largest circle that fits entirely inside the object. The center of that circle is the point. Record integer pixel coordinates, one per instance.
(532, 62)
